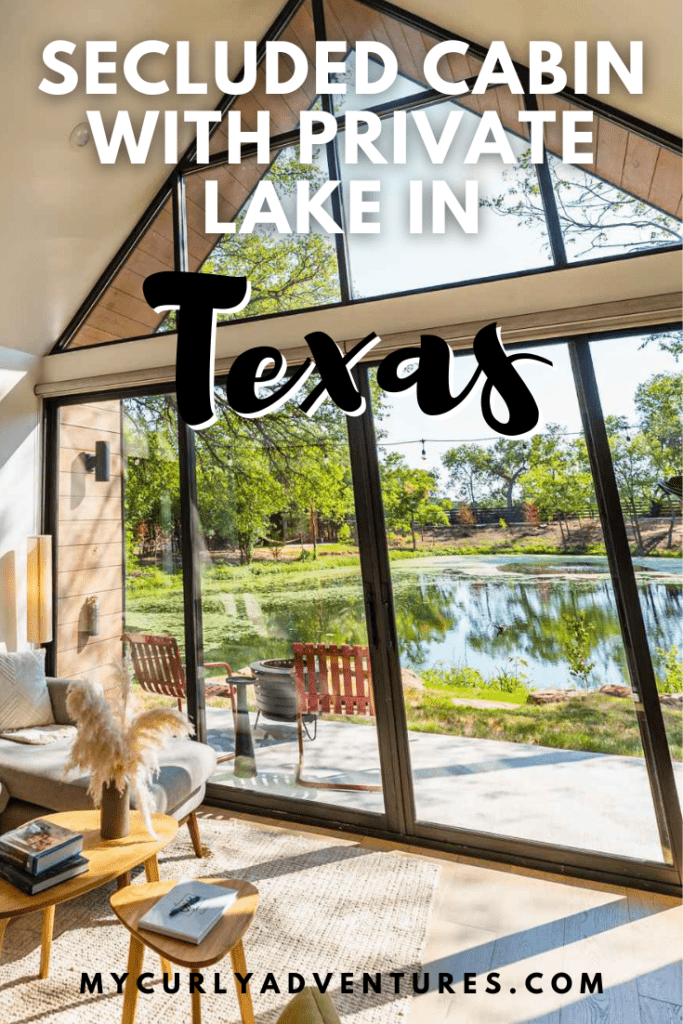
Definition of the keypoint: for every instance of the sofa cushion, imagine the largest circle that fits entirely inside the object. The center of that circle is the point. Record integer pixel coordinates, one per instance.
(309, 1007)
(24, 697)
(34, 775)
(57, 688)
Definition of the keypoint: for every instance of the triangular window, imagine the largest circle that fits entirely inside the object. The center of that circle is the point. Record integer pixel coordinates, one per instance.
(627, 200)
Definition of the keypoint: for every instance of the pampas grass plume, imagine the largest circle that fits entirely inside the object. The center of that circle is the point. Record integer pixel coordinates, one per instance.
(118, 744)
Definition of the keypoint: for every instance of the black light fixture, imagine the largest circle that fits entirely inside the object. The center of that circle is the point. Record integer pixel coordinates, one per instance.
(424, 451)
(99, 462)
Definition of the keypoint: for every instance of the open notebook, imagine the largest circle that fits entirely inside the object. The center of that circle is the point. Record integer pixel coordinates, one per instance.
(189, 911)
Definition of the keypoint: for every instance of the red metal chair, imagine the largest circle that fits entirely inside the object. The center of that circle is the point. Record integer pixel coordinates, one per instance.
(336, 680)
(159, 669)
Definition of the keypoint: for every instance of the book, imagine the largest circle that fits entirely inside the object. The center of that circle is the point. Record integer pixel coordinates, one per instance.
(33, 884)
(39, 845)
(189, 911)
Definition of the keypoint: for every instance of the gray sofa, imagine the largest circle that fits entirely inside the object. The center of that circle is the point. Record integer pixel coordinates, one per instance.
(31, 781)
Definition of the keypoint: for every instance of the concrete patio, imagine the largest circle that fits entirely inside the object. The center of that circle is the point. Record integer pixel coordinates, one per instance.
(598, 802)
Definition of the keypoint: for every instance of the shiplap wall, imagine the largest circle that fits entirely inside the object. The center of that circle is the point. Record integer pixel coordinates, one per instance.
(90, 544)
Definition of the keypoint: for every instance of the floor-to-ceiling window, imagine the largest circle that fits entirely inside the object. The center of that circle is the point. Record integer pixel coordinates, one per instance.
(518, 697)
(515, 714)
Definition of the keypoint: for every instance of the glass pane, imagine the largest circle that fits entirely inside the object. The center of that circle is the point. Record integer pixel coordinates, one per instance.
(350, 100)
(627, 199)
(507, 626)
(286, 271)
(641, 391)
(154, 578)
(281, 568)
(395, 260)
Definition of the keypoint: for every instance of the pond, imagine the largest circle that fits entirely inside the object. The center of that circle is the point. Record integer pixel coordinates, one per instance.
(486, 612)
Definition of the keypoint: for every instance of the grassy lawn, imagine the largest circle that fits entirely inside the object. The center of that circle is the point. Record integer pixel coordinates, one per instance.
(594, 722)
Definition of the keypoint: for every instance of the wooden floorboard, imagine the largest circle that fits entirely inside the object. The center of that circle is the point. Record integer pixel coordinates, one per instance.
(499, 918)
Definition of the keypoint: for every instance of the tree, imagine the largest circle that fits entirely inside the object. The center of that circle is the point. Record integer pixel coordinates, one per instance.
(285, 271)
(467, 473)
(558, 481)
(595, 217)
(322, 488)
(634, 470)
(506, 461)
(658, 402)
(406, 495)
(493, 472)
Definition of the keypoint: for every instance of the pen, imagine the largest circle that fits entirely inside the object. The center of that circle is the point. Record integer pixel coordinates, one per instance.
(189, 902)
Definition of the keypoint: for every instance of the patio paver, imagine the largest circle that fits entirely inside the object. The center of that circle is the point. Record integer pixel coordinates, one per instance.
(578, 799)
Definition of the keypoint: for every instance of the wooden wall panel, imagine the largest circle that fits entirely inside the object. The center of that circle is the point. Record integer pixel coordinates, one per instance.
(90, 549)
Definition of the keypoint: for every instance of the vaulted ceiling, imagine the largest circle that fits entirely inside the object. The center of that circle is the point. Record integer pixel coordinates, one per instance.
(64, 215)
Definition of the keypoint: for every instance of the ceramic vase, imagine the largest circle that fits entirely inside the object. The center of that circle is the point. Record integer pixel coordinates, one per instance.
(114, 811)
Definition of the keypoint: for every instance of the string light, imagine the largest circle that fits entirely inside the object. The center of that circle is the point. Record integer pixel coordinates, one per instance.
(331, 444)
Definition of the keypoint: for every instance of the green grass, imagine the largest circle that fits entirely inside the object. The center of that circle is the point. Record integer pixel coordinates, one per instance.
(592, 722)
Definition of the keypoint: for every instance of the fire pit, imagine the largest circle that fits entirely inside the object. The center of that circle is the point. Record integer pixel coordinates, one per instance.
(275, 689)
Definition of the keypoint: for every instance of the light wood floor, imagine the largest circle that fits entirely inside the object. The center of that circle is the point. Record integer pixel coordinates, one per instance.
(494, 918)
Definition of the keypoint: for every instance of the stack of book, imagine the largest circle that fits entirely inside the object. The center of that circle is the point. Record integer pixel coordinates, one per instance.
(40, 854)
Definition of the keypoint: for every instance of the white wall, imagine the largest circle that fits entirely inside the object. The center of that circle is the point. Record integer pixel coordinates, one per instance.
(19, 486)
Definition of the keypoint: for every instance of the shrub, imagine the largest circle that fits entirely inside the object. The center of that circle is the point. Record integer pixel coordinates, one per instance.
(670, 670)
(577, 646)
(465, 515)
(456, 675)
(344, 533)
(531, 514)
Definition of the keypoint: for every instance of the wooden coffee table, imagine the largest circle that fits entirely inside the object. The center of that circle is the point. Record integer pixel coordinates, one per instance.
(108, 860)
(133, 902)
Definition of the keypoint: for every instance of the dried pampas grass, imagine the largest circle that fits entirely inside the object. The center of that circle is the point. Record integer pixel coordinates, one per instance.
(117, 743)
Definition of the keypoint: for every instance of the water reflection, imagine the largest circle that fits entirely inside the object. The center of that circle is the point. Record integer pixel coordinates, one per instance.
(446, 617)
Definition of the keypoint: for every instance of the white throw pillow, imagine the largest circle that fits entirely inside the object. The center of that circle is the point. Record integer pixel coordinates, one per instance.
(24, 696)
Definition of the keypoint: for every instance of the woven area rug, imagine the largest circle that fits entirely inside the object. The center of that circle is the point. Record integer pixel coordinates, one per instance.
(327, 906)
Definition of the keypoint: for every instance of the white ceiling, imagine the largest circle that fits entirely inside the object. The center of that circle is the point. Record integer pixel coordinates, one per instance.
(64, 215)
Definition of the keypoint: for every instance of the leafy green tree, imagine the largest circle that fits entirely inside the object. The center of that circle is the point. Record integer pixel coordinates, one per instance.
(320, 488)
(577, 645)
(492, 472)
(659, 401)
(152, 490)
(467, 473)
(558, 481)
(407, 494)
(285, 271)
(506, 461)
(635, 471)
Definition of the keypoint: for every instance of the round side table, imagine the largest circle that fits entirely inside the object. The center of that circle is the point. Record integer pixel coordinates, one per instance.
(133, 902)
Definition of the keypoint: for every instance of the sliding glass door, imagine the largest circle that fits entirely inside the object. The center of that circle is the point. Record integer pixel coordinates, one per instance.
(280, 574)
(524, 714)
(499, 671)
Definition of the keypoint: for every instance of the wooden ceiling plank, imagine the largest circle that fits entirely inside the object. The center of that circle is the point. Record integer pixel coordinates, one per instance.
(665, 190)
(639, 166)
(611, 151)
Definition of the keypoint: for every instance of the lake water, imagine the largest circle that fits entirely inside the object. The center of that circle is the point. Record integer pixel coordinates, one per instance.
(486, 612)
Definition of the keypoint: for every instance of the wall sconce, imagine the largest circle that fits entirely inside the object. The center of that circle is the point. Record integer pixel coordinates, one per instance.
(92, 616)
(39, 589)
(99, 462)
